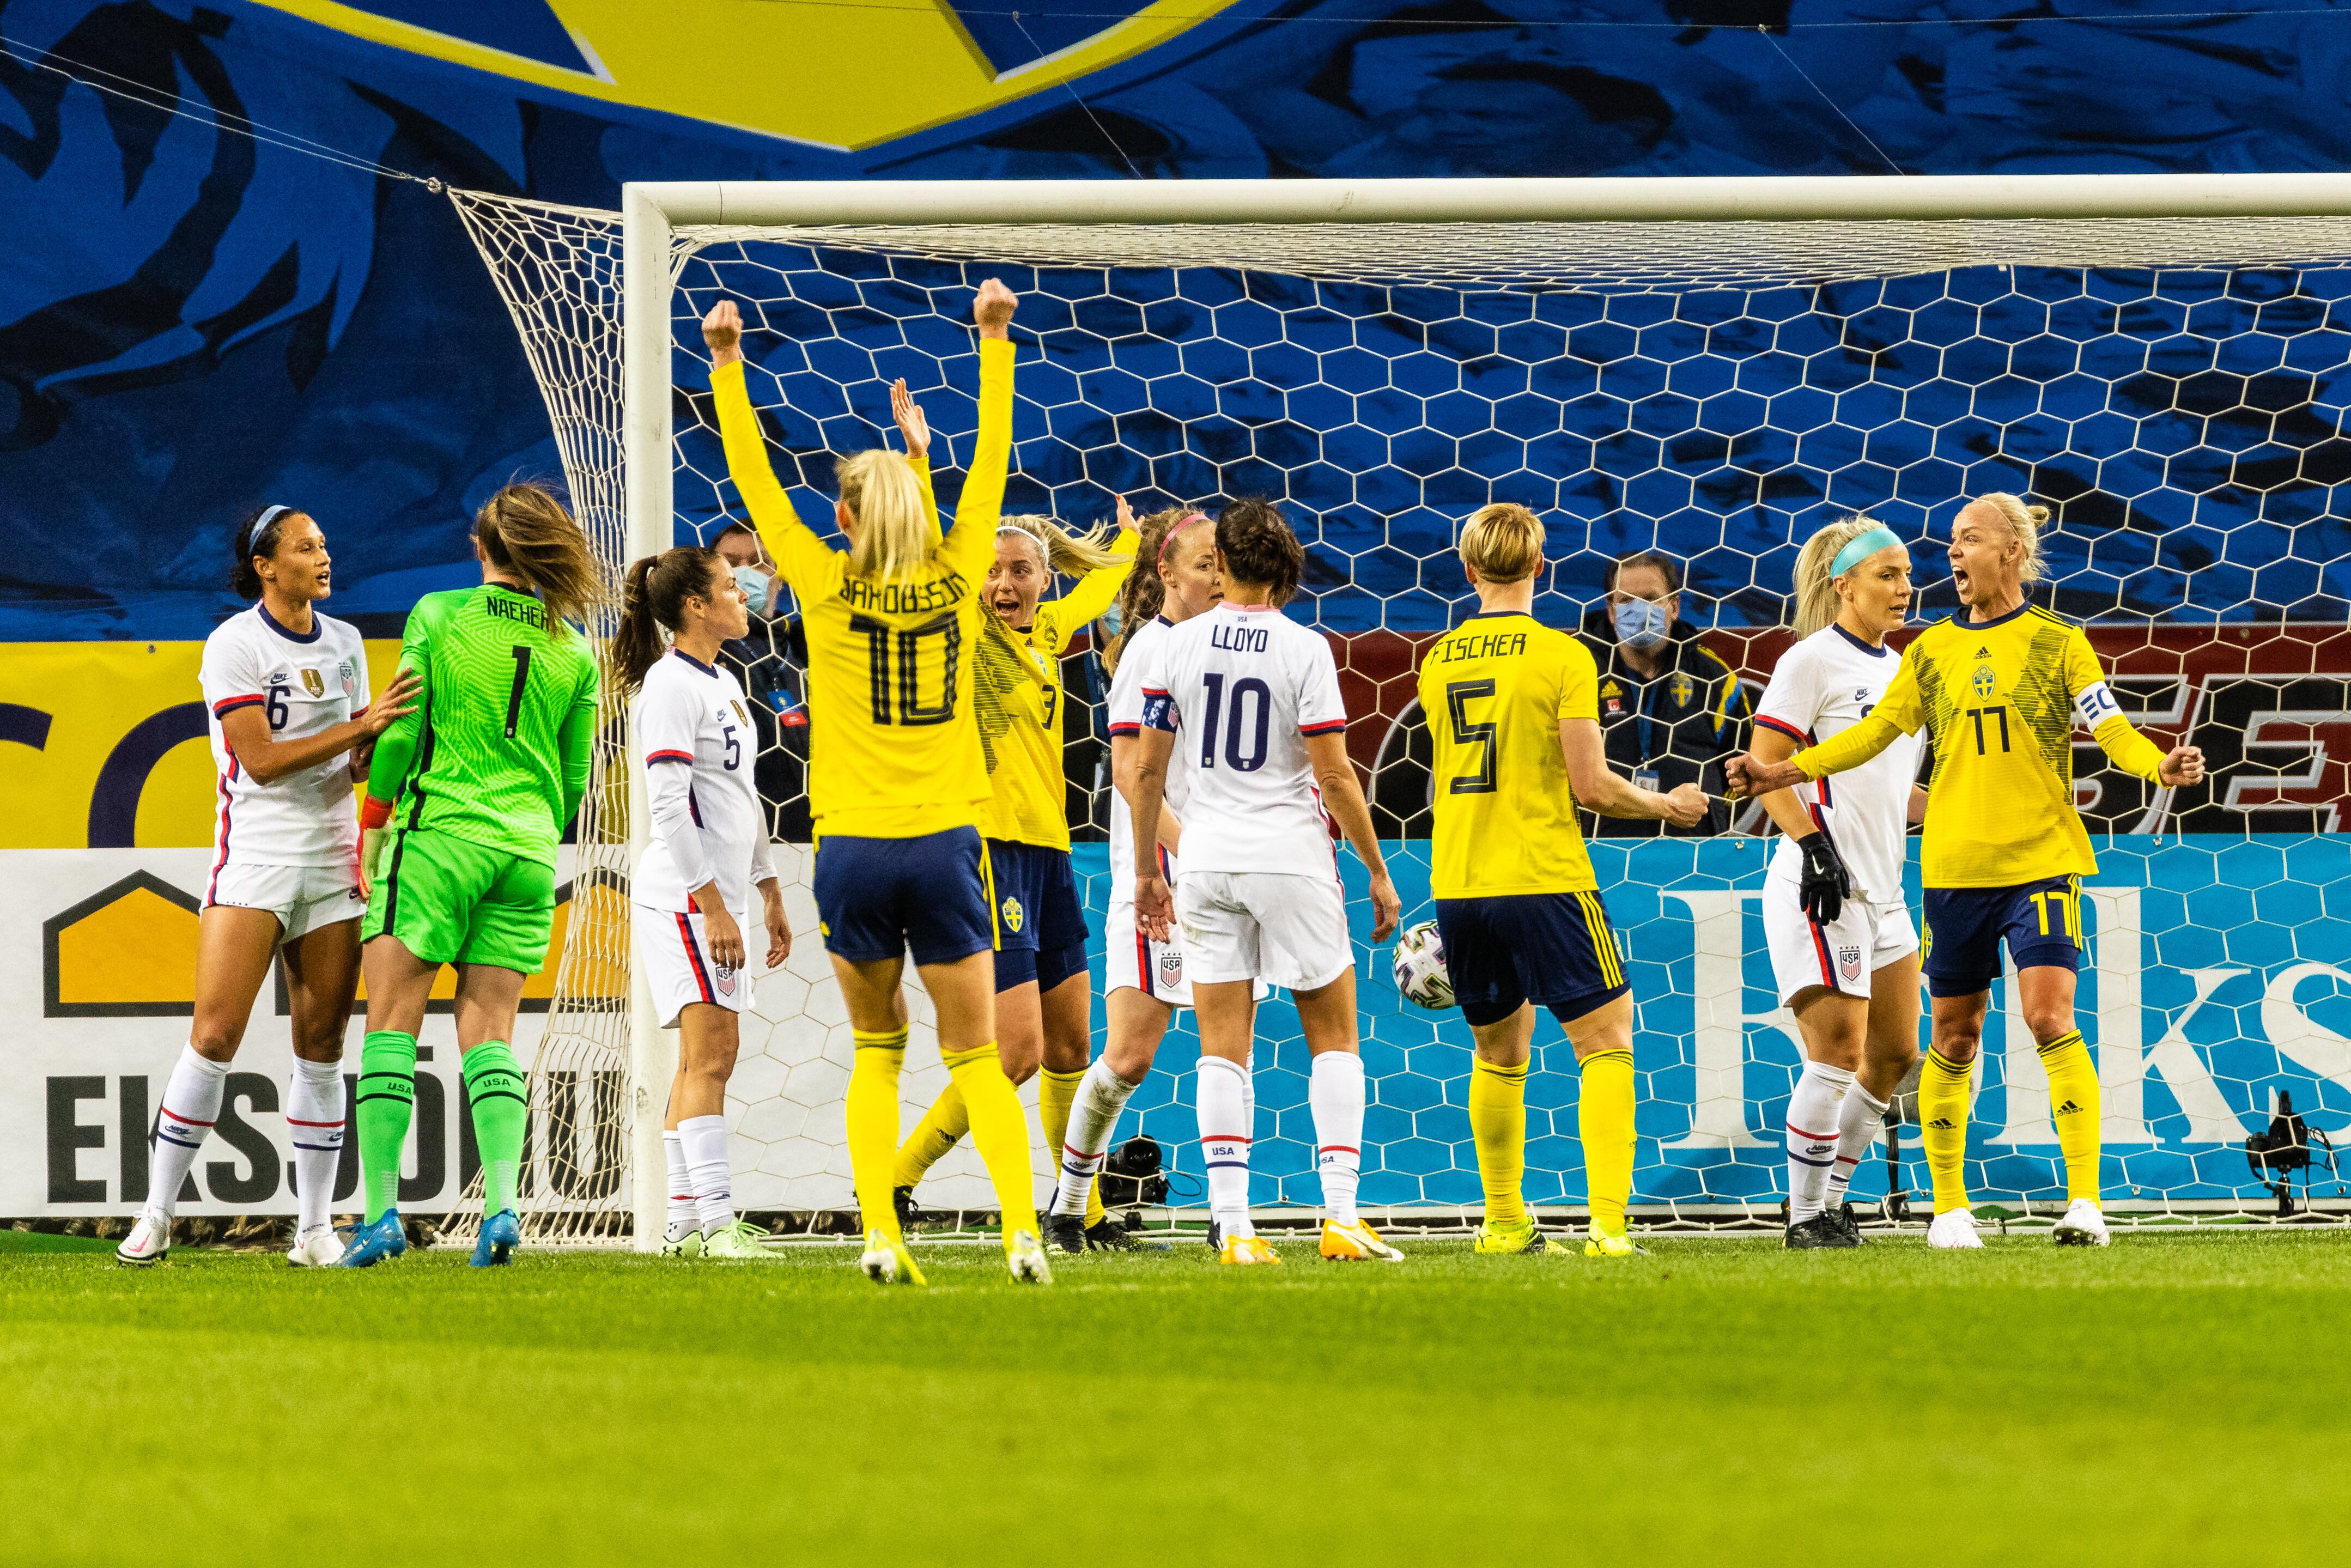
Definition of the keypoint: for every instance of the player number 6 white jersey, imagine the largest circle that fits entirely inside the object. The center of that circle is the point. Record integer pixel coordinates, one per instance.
(303, 685)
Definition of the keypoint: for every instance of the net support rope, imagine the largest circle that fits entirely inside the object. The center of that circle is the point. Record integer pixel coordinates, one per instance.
(1589, 368)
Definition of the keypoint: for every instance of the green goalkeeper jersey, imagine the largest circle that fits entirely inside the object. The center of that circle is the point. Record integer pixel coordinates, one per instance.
(498, 751)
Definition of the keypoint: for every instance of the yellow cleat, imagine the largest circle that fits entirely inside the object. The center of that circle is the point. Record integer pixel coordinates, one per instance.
(1611, 1244)
(887, 1262)
(1512, 1241)
(1356, 1243)
(1248, 1250)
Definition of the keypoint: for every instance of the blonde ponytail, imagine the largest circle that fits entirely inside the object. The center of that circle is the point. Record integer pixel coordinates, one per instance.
(2024, 522)
(1072, 555)
(1816, 594)
(894, 527)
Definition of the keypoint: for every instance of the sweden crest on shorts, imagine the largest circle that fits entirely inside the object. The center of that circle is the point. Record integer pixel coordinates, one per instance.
(1013, 914)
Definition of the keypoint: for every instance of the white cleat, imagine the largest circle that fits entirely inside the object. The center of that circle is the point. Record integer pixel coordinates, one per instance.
(2084, 1224)
(318, 1248)
(148, 1243)
(1954, 1230)
(1026, 1258)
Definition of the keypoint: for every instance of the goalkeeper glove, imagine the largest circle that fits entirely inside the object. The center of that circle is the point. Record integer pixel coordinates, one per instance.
(1826, 883)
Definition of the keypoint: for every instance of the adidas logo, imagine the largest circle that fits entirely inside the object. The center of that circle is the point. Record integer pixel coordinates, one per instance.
(2067, 1108)
(1941, 1124)
(1983, 653)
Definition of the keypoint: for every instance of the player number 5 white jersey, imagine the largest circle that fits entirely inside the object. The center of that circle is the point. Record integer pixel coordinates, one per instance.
(693, 742)
(303, 685)
(1242, 687)
(1821, 687)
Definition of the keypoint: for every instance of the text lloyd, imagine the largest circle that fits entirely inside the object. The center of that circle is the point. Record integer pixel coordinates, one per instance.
(1241, 639)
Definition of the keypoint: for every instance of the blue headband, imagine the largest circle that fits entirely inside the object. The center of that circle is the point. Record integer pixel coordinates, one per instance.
(1861, 547)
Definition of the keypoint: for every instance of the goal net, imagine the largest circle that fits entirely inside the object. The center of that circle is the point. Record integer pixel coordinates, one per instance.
(1711, 370)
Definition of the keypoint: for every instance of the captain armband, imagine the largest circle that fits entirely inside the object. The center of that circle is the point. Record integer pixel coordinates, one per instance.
(2093, 704)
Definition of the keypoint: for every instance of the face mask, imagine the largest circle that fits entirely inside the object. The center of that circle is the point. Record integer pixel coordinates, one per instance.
(754, 585)
(1112, 621)
(1641, 624)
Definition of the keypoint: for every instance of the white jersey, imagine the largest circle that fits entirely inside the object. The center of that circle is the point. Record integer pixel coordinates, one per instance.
(1137, 664)
(1821, 687)
(693, 742)
(304, 685)
(1242, 687)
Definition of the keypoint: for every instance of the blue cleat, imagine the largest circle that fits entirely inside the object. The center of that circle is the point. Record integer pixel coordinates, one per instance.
(501, 1234)
(376, 1243)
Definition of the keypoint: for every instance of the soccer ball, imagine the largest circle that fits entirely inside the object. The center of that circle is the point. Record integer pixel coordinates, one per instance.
(1420, 966)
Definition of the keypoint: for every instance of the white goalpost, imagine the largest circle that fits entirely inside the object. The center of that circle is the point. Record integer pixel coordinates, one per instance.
(1712, 367)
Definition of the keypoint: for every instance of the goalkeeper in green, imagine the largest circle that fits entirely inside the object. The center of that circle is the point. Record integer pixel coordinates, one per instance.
(473, 793)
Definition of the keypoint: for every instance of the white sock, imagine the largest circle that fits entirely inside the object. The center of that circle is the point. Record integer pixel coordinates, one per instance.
(682, 1215)
(1101, 1095)
(192, 1103)
(1814, 1115)
(314, 1124)
(1249, 1093)
(1334, 1088)
(1222, 1092)
(705, 1141)
(1857, 1126)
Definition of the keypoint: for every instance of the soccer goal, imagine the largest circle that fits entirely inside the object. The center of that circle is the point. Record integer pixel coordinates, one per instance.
(1709, 368)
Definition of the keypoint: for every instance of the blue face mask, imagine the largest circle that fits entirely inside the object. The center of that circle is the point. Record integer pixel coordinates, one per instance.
(1642, 624)
(753, 584)
(1112, 620)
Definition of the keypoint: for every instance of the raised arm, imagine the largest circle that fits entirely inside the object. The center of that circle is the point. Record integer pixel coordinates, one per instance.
(972, 542)
(1096, 591)
(798, 553)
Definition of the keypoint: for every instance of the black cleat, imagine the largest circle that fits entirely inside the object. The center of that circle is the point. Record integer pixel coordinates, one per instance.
(1216, 1236)
(1847, 1223)
(1821, 1230)
(1107, 1235)
(1065, 1233)
(902, 1198)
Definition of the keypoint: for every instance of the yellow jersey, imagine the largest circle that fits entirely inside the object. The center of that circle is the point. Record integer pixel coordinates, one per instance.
(1494, 690)
(1017, 687)
(894, 745)
(2000, 699)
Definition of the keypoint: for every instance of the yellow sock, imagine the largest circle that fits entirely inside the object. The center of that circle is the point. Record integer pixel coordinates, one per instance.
(2074, 1106)
(1056, 1094)
(1498, 1127)
(1943, 1128)
(941, 1129)
(872, 1116)
(1604, 1116)
(1000, 1131)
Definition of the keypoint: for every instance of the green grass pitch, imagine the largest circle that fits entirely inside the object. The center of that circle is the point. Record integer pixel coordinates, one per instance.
(2179, 1398)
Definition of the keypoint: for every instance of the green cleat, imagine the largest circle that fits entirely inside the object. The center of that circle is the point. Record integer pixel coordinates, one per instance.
(1512, 1242)
(741, 1242)
(1611, 1244)
(686, 1246)
(886, 1260)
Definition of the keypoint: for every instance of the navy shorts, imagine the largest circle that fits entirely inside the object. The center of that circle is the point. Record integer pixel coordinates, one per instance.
(1556, 949)
(877, 897)
(1041, 926)
(2040, 921)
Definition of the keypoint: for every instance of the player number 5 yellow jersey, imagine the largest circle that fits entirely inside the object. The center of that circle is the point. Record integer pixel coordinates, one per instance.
(1494, 691)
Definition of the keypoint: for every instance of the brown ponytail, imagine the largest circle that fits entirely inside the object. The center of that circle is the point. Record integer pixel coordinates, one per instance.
(525, 531)
(1143, 594)
(1259, 547)
(659, 586)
